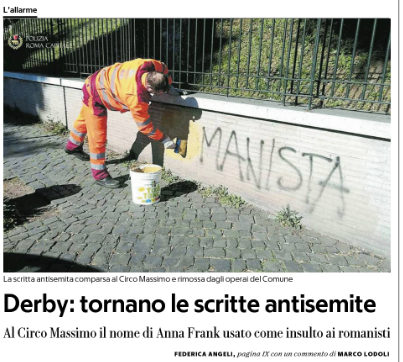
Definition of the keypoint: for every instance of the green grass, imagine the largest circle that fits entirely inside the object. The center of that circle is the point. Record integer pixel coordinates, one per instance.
(168, 176)
(224, 197)
(289, 218)
(55, 128)
(130, 163)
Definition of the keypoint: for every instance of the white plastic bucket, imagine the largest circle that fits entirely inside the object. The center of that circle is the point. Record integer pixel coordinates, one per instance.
(146, 187)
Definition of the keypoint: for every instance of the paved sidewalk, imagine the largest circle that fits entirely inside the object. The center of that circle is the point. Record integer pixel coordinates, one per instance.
(97, 229)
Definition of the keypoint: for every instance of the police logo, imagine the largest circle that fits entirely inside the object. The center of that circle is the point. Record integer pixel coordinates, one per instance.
(15, 41)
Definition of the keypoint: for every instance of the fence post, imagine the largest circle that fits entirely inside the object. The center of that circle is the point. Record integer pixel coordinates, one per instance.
(322, 57)
(78, 49)
(78, 62)
(53, 49)
(314, 57)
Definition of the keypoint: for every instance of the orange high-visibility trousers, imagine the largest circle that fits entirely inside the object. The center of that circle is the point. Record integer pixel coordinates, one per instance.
(91, 121)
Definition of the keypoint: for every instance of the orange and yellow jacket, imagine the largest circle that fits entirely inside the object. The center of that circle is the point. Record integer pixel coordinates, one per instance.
(122, 87)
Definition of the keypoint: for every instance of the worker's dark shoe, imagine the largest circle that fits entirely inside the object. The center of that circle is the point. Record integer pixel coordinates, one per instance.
(108, 182)
(78, 152)
(131, 156)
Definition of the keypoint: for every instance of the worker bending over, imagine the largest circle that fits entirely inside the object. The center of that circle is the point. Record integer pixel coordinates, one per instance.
(120, 87)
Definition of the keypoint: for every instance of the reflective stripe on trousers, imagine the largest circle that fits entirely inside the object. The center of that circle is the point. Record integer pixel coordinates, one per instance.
(88, 123)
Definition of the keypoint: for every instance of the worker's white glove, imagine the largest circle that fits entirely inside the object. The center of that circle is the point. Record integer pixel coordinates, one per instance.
(172, 91)
(168, 143)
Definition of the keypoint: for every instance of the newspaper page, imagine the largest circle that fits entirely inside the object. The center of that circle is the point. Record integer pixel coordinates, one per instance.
(200, 181)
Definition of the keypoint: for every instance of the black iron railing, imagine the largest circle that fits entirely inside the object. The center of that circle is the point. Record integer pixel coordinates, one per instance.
(310, 62)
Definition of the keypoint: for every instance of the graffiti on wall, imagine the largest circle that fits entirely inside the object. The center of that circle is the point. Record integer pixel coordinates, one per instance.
(260, 169)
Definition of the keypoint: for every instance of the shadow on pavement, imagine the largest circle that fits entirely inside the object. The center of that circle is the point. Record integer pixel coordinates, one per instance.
(24, 147)
(117, 161)
(122, 179)
(21, 208)
(177, 189)
(24, 263)
(58, 191)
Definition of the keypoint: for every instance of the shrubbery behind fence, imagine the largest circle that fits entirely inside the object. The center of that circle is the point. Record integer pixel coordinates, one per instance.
(315, 63)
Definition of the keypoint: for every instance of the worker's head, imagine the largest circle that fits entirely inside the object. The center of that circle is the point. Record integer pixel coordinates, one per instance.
(157, 83)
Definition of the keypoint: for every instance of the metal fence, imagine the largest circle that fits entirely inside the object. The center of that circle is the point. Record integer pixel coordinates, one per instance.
(314, 63)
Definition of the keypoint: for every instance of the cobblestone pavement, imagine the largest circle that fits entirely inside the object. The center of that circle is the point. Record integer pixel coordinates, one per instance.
(98, 229)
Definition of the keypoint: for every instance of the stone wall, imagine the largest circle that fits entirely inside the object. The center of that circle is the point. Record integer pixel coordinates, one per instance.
(333, 167)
